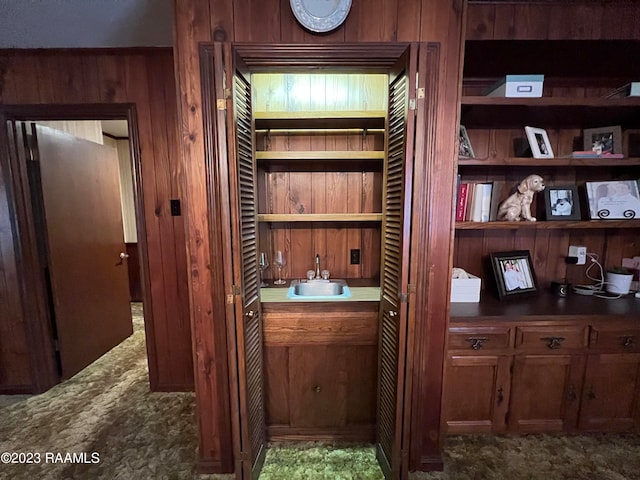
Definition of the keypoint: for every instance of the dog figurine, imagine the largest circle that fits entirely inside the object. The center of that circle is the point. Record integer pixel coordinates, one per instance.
(518, 206)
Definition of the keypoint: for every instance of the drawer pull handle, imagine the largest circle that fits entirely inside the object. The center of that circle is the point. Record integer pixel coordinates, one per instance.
(554, 342)
(628, 341)
(500, 396)
(317, 389)
(477, 343)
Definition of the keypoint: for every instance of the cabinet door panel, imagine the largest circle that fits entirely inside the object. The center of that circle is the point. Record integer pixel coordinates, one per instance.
(611, 397)
(476, 394)
(545, 393)
(362, 369)
(317, 386)
(276, 364)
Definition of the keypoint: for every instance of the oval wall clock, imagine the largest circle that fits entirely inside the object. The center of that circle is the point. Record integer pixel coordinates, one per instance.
(320, 15)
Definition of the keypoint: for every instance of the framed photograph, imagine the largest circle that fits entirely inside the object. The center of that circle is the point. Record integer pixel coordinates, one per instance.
(465, 150)
(603, 140)
(539, 142)
(513, 272)
(562, 202)
(614, 199)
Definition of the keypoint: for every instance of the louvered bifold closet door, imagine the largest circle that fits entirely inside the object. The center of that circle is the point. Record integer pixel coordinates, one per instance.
(395, 266)
(248, 318)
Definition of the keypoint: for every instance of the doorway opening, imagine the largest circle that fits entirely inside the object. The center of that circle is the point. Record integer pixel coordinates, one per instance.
(76, 167)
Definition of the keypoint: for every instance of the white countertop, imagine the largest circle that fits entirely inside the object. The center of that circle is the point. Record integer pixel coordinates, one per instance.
(358, 294)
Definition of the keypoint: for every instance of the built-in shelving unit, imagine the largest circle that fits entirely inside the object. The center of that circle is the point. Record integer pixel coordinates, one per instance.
(320, 177)
(575, 97)
(538, 362)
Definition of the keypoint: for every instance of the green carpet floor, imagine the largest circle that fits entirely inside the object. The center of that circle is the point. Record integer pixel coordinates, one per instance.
(310, 461)
(473, 457)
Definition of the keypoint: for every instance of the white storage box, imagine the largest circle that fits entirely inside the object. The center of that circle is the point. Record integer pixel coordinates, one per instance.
(523, 86)
(465, 289)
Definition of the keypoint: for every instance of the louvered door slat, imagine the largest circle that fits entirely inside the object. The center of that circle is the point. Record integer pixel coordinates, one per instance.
(248, 318)
(394, 277)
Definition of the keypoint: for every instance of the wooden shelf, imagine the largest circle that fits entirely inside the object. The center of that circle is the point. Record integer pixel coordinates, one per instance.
(571, 59)
(549, 225)
(332, 120)
(319, 217)
(550, 162)
(549, 112)
(321, 155)
(544, 307)
(596, 102)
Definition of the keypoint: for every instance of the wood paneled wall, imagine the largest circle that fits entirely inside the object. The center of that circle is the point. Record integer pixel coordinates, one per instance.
(553, 20)
(145, 78)
(271, 21)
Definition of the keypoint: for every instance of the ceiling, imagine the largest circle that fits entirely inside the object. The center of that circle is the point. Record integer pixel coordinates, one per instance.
(85, 23)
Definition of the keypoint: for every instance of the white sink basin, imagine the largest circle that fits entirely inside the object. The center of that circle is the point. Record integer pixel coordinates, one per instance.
(318, 289)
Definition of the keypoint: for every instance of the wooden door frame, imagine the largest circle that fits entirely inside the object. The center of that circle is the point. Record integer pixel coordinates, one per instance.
(218, 427)
(35, 310)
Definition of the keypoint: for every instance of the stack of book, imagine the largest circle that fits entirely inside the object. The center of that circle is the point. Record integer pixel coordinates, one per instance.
(478, 201)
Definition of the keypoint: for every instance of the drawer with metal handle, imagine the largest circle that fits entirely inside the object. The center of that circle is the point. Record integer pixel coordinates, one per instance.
(480, 339)
(551, 339)
(615, 339)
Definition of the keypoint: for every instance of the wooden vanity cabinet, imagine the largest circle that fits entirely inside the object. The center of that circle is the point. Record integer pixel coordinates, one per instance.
(321, 362)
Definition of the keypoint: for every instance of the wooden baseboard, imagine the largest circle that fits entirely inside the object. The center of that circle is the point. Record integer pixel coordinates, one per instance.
(210, 467)
(430, 464)
(179, 387)
(16, 389)
(285, 433)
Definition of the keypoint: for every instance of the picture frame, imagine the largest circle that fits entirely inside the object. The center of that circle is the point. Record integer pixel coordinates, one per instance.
(613, 199)
(465, 150)
(603, 140)
(513, 273)
(562, 202)
(539, 142)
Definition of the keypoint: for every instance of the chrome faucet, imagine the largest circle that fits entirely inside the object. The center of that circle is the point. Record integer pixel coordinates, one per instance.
(318, 266)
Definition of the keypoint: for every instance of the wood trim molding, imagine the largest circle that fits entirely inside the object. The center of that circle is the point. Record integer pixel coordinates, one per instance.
(218, 425)
(370, 57)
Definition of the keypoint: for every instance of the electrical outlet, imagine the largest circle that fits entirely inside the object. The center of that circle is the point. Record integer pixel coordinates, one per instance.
(580, 253)
(355, 256)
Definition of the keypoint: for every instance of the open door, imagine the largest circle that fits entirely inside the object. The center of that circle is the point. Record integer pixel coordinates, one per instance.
(75, 196)
(393, 327)
(247, 326)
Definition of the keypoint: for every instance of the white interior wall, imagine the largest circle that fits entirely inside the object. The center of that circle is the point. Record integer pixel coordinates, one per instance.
(126, 188)
(88, 129)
